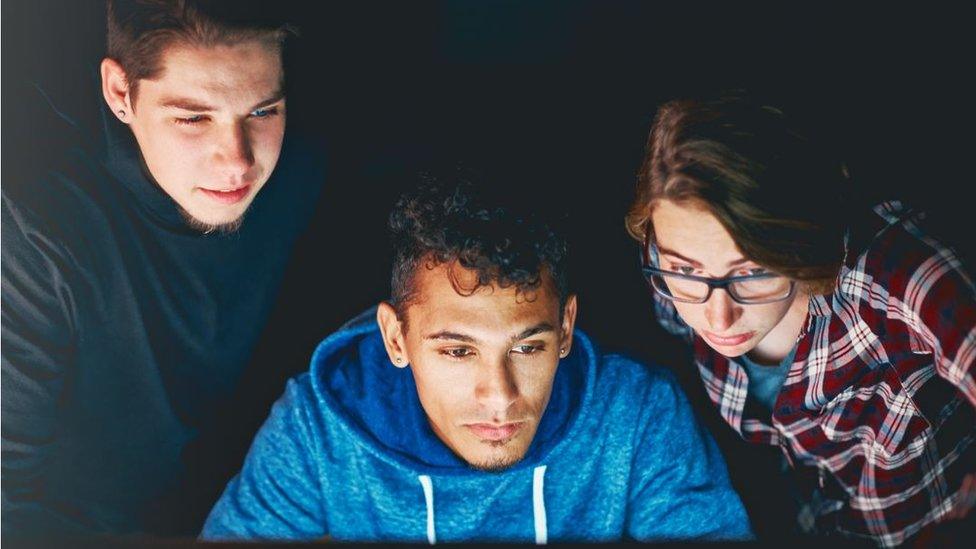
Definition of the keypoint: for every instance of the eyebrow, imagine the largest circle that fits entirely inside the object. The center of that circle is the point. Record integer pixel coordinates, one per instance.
(666, 251)
(539, 328)
(452, 336)
(192, 105)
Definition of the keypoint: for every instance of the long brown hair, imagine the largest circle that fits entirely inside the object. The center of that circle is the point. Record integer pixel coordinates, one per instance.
(781, 197)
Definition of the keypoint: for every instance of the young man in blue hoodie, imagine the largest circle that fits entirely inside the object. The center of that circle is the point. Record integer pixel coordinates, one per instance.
(469, 409)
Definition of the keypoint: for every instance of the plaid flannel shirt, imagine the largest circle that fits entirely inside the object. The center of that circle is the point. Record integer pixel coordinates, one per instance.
(878, 411)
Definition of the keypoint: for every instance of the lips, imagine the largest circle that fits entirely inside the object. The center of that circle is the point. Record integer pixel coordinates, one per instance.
(494, 432)
(728, 341)
(232, 196)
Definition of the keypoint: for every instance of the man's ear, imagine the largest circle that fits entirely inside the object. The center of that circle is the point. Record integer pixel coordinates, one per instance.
(115, 89)
(568, 323)
(393, 335)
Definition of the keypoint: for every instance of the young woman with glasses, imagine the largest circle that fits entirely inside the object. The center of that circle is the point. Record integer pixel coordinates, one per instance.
(843, 334)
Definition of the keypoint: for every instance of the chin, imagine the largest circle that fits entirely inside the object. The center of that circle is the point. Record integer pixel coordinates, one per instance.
(495, 463)
(730, 353)
(495, 455)
(223, 224)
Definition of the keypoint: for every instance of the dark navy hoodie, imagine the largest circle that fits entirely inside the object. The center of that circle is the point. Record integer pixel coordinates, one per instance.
(122, 327)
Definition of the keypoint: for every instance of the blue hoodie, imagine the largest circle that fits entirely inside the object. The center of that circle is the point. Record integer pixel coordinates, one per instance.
(348, 453)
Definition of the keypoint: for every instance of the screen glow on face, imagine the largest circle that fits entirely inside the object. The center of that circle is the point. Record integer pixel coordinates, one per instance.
(691, 241)
(210, 127)
(483, 363)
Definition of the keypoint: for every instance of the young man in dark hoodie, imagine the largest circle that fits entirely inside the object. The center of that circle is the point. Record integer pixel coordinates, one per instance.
(468, 408)
(134, 286)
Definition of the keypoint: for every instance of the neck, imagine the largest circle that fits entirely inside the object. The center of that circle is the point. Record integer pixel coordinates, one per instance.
(779, 342)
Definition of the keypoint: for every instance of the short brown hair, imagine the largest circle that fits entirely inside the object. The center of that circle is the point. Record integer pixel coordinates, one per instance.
(139, 31)
(780, 196)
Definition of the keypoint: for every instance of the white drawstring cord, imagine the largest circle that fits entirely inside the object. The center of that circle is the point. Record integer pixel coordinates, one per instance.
(429, 497)
(539, 505)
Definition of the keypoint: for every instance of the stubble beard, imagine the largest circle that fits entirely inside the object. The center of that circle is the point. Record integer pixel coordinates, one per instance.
(221, 229)
(497, 464)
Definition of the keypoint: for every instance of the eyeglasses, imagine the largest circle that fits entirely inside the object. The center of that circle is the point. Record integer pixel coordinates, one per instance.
(754, 289)
(747, 290)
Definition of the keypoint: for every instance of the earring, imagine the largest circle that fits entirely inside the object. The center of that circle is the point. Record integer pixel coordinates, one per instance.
(562, 352)
(121, 113)
(398, 360)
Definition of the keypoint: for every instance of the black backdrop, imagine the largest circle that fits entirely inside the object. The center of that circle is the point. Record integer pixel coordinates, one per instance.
(554, 99)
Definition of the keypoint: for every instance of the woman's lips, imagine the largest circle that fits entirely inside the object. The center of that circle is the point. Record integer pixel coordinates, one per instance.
(491, 431)
(228, 197)
(728, 341)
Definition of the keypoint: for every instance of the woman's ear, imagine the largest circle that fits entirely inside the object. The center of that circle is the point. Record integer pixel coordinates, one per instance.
(393, 335)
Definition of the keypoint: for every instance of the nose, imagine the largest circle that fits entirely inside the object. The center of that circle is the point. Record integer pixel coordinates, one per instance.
(497, 390)
(234, 155)
(721, 311)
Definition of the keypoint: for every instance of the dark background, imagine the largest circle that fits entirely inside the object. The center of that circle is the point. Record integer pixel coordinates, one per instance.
(554, 99)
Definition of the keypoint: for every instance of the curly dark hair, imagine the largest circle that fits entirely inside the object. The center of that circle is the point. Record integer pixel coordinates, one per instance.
(482, 228)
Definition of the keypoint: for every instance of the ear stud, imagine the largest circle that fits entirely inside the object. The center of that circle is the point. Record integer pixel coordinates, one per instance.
(121, 113)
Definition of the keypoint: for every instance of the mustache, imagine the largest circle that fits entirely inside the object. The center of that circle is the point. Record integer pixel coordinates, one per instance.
(496, 419)
(493, 422)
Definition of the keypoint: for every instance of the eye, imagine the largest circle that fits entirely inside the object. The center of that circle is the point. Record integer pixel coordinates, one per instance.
(683, 269)
(457, 353)
(752, 271)
(191, 120)
(528, 349)
(264, 113)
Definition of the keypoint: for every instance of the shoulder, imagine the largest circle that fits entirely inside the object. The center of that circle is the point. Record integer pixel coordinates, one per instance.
(299, 395)
(901, 258)
(56, 215)
(50, 127)
(625, 367)
(55, 173)
(58, 196)
(627, 382)
(297, 414)
(646, 408)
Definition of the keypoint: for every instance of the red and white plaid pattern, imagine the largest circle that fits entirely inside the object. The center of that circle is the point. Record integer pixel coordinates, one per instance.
(879, 406)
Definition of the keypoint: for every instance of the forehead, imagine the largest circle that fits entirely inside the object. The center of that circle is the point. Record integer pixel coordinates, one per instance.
(691, 230)
(490, 311)
(242, 73)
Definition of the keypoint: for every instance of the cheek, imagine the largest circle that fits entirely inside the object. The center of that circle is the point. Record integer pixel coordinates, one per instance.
(170, 154)
(534, 382)
(692, 315)
(266, 139)
(765, 316)
(442, 394)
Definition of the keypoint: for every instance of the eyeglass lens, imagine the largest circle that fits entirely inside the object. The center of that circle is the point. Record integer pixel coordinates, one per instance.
(756, 290)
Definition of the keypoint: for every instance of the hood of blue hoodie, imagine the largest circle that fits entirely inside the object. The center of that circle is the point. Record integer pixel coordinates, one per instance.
(353, 374)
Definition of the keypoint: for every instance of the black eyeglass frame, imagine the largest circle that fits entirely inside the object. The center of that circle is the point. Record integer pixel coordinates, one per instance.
(722, 283)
